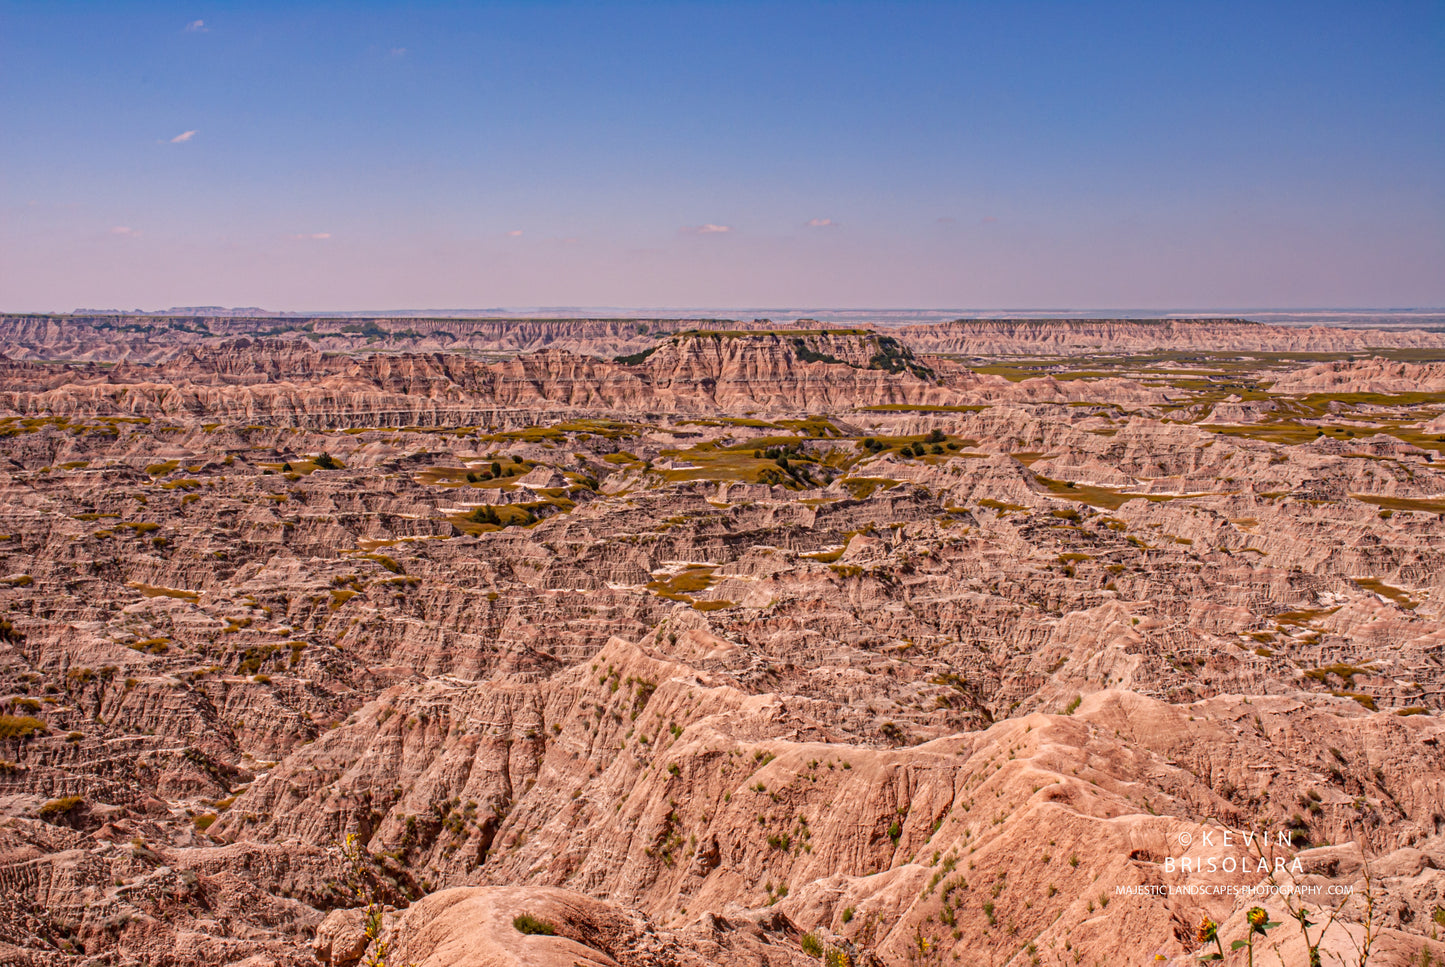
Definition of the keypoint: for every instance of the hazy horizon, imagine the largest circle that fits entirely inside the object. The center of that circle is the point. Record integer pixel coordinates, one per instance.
(1343, 317)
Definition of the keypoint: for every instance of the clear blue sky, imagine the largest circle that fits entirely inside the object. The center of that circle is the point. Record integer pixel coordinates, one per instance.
(990, 155)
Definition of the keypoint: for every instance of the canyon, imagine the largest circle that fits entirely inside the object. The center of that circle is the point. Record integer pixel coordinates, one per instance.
(673, 642)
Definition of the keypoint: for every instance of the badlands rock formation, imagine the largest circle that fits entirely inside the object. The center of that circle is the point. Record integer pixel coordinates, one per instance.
(751, 647)
(103, 337)
(1074, 336)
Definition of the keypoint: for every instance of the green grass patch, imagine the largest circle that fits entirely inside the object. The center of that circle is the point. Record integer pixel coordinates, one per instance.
(495, 517)
(1106, 498)
(920, 408)
(1418, 504)
(1286, 434)
(558, 432)
(1368, 701)
(1391, 592)
(1345, 673)
(154, 591)
(1304, 616)
(21, 726)
(861, 488)
(681, 586)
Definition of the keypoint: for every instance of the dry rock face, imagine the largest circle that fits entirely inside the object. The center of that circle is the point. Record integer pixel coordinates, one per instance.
(752, 646)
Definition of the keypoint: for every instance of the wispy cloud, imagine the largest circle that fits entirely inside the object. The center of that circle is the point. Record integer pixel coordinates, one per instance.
(197, 27)
(396, 52)
(312, 236)
(946, 220)
(515, 233)
(183, 136)
(989, 219)
(822, 223)
(125, 231)
(708, 229)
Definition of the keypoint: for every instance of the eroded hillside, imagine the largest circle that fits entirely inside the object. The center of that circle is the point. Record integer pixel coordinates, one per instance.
(746, 646)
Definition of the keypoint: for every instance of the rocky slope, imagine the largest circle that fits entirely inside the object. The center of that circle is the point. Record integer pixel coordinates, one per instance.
(688, 374)
(762, 648)
(987, 337)
(1365, 376)
(142, 338)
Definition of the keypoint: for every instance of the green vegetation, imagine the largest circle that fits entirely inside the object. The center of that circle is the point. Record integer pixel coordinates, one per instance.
(681, 586)
(1106, 498)
(153, 591)
(1345, 673)
(807, 355)
(920, 408)
(1387, 591)
(58, 808)
(861, 488)
(635, 359)
(1420, 505)
(528, 924)
(493, 517)
(151, 646)
(21, 727)
(559, 432)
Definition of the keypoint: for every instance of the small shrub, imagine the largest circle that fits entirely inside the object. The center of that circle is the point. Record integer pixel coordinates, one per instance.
(20, 726)
(811, 945)
(528, 924)
(56, 808)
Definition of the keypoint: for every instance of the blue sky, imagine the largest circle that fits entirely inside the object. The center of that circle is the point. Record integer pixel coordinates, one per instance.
(985, 155)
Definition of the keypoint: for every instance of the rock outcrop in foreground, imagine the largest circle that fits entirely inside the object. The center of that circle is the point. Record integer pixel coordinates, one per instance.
(751, 647)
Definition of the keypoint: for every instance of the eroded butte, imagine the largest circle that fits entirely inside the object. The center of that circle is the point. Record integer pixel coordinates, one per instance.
(682, 643)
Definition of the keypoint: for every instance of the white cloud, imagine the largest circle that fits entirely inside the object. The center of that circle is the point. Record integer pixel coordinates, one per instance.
(197, 27)
(396, 52)
(514, 233)
(821, 223)
(311, 236)
(183, 136)
(125, 230)
(708, 229)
